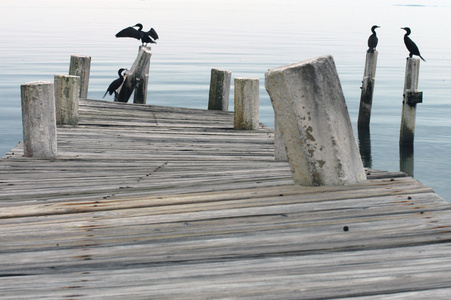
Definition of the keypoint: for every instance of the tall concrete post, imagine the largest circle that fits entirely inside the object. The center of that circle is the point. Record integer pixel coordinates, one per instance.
(140, 95)
(38, 119)
(67, 91)
(81, 66)
(366, 96)
(314, 122)
(411, 97)
(219, 90)
(246, 104)
(136, 77)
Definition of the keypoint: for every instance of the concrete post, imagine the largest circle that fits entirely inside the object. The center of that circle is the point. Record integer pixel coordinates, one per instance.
(219, 90)
(313, 118)
(135, 75)
(409, 104)
(280, 154)
(81, 66)
(38, 119)
(140, 96)
(246, 104)
(67, 91)
(366, 97)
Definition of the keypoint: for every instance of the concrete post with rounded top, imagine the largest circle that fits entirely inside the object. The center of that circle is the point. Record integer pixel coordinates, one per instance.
(314, 122)
(67, 91)
(38, 119)
(219, 90)
(81, 66)
(246, 104)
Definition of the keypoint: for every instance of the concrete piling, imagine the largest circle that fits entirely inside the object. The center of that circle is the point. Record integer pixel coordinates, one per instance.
(38, 119)
(67, 91)
(314, 122)
(411, 97)
(219, 90)
(136, 76)
(81, 66)
(140, 95)
(246, 104)
(366, 96)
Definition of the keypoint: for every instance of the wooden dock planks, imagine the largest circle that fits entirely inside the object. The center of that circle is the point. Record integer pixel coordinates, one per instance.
(157, 209)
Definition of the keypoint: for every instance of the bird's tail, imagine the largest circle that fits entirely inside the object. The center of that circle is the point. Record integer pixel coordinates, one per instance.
(422, 58)
(105, 94)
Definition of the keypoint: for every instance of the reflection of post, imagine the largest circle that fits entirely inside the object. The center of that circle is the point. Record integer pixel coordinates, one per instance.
(409, 104)
(365, 146)
(406, 160)
(366, 97)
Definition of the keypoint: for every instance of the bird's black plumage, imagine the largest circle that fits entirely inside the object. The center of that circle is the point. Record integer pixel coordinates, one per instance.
(145, 36)
(411, 46)
(116, 83)
(372, 40)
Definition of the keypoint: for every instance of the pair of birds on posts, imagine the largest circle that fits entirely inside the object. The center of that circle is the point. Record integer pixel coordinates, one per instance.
(410, 45)
(145, 37)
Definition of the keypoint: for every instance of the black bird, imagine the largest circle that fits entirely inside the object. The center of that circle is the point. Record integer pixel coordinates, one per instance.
(145, 36)
(372, 40)
(411, 46)
(116, 83)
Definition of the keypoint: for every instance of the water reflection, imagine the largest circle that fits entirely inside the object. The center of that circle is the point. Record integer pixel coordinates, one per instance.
(365, 146)
(406, 161)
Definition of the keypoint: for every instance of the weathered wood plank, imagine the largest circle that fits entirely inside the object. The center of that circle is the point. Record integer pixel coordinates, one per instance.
(156, 202)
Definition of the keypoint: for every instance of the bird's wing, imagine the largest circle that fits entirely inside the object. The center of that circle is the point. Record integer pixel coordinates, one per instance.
(147, 39)
(153, 33)
(128, 32)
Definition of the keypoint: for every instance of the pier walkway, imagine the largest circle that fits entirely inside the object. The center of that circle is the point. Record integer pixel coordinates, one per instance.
(148, 202)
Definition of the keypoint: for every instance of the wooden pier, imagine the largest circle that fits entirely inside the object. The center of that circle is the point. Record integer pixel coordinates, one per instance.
(147, 202)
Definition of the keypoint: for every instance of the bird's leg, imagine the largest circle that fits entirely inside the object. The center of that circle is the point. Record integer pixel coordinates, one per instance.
(410, 54)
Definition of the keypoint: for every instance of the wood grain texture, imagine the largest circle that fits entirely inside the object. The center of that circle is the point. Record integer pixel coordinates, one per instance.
(148, 202)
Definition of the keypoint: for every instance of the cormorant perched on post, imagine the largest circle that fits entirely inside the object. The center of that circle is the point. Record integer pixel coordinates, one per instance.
(372, 40)
(116, 83)
(413, 49)
(145, 36)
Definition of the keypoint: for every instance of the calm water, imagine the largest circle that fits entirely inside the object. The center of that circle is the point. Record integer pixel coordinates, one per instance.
(247, 37)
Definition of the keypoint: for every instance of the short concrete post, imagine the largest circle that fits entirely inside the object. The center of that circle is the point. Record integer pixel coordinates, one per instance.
(136, 76)
(219, 90)
(67, 93)
(409, 104)
(81, 66)
(38, 119)
(140, 95)
(246, 104)
(366, 97)
(313, 118)
(280, 154)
